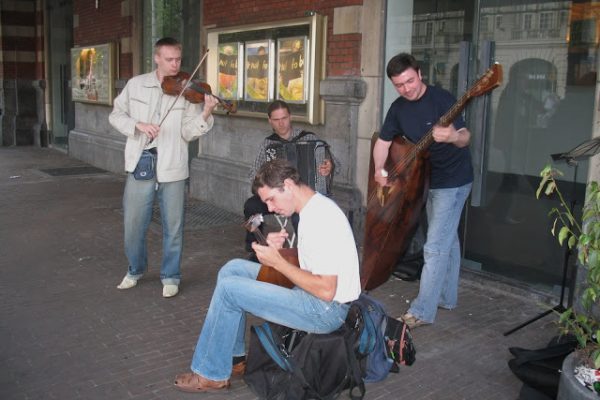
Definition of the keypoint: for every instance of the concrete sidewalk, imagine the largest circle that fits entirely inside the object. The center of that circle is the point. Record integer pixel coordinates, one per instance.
(66, 332)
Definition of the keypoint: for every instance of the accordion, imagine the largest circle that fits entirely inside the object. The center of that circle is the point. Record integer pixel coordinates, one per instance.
(306, 156)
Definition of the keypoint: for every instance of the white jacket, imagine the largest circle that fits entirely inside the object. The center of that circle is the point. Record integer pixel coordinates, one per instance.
(138, 103)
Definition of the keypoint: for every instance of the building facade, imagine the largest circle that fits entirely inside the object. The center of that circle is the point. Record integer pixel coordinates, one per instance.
(546, 104)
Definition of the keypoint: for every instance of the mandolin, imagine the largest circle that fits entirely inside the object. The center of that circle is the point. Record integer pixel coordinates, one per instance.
(266, 273)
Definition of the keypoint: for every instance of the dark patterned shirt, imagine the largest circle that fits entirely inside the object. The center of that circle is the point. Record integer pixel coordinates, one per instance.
(264, 156)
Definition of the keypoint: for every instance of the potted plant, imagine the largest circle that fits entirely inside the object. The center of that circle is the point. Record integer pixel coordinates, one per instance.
(581, 321)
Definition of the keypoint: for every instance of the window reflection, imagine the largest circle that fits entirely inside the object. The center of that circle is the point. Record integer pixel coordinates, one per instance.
(548, 50)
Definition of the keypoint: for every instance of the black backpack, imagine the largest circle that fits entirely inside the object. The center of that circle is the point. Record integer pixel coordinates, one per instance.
(539, 369)
(284, 363)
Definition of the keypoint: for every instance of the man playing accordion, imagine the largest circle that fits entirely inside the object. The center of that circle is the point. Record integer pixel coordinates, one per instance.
(305, 151)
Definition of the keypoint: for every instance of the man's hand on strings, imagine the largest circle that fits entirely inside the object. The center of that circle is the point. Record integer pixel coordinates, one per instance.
(269, 255)
(449, 134)
(380, 154)
(381, 177)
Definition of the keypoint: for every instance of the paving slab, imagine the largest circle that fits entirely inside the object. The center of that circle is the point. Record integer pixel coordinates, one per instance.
(68, 333)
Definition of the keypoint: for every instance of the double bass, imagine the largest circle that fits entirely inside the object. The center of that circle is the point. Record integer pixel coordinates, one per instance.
(393, 212)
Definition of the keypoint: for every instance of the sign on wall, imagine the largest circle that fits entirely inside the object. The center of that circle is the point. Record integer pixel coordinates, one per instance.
(291, 69)
(92, 71)
(229, 76)
(259, 71)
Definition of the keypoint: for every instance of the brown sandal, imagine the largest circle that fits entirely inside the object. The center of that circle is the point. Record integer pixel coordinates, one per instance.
(194, 383)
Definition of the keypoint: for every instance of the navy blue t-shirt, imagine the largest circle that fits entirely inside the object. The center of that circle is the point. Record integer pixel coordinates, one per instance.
(450, 165)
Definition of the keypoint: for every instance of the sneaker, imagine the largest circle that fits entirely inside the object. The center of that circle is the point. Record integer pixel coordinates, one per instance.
(127, 283)
(411, 321)
(170, 290)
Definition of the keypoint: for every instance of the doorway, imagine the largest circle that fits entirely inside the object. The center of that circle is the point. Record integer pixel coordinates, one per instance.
(61, 115)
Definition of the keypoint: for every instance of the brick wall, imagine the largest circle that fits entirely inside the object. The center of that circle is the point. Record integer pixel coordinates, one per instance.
(102, 25)
(343, 51)
(105, 24)
(21, 40)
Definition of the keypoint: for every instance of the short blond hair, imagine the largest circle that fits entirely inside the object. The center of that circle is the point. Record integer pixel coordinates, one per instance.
(166, 41)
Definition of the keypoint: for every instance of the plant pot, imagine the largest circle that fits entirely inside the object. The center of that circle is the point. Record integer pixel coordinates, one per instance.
(569, 388)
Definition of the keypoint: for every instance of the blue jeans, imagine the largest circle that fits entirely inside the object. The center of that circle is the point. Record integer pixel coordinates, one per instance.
(238, 292)
(439, 279)
(138, 199)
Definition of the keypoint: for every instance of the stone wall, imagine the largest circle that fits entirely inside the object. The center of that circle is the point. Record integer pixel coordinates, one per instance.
(94, 141)
(22, 113)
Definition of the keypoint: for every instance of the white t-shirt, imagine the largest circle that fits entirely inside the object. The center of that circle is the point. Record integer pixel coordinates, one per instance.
(326, 246)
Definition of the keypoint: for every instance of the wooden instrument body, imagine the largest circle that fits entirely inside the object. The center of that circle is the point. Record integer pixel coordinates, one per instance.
(390, 226)
(271, 275)
(393, 216)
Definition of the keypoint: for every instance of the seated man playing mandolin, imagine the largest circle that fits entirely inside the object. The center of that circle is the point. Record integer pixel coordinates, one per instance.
(326, 280)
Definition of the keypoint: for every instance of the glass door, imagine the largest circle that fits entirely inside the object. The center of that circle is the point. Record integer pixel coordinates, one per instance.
(544, 107)
(60, 39)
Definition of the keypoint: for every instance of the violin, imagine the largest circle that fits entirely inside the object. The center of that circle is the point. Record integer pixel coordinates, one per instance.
(194, 92)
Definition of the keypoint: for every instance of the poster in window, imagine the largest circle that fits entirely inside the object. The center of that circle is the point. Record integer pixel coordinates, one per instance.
(258, 86)
(229, 54)
(291, 67)
(92, 70)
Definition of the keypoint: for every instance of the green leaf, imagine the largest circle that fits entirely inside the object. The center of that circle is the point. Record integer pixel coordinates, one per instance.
(565, 316)
(596, 358)
(570, 218)
(547, 170)
(550, 188)
(584, 239)
(541, 187)
(562, 234)
(593, 264)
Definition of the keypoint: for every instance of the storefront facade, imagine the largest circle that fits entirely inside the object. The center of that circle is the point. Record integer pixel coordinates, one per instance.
(545, 105)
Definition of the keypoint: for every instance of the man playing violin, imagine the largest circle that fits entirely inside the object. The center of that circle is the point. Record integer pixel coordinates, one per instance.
(156, 159)
(280, 119)
(328, 278)
(412, 115)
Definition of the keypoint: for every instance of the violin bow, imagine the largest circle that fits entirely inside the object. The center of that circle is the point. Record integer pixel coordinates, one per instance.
(187, 84)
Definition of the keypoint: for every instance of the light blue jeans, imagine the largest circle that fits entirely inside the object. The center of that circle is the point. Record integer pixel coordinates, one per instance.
(238, 292)
(439, 279)
(138, 199)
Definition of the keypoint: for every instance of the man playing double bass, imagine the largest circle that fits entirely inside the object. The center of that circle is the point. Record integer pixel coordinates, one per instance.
(412, 115)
